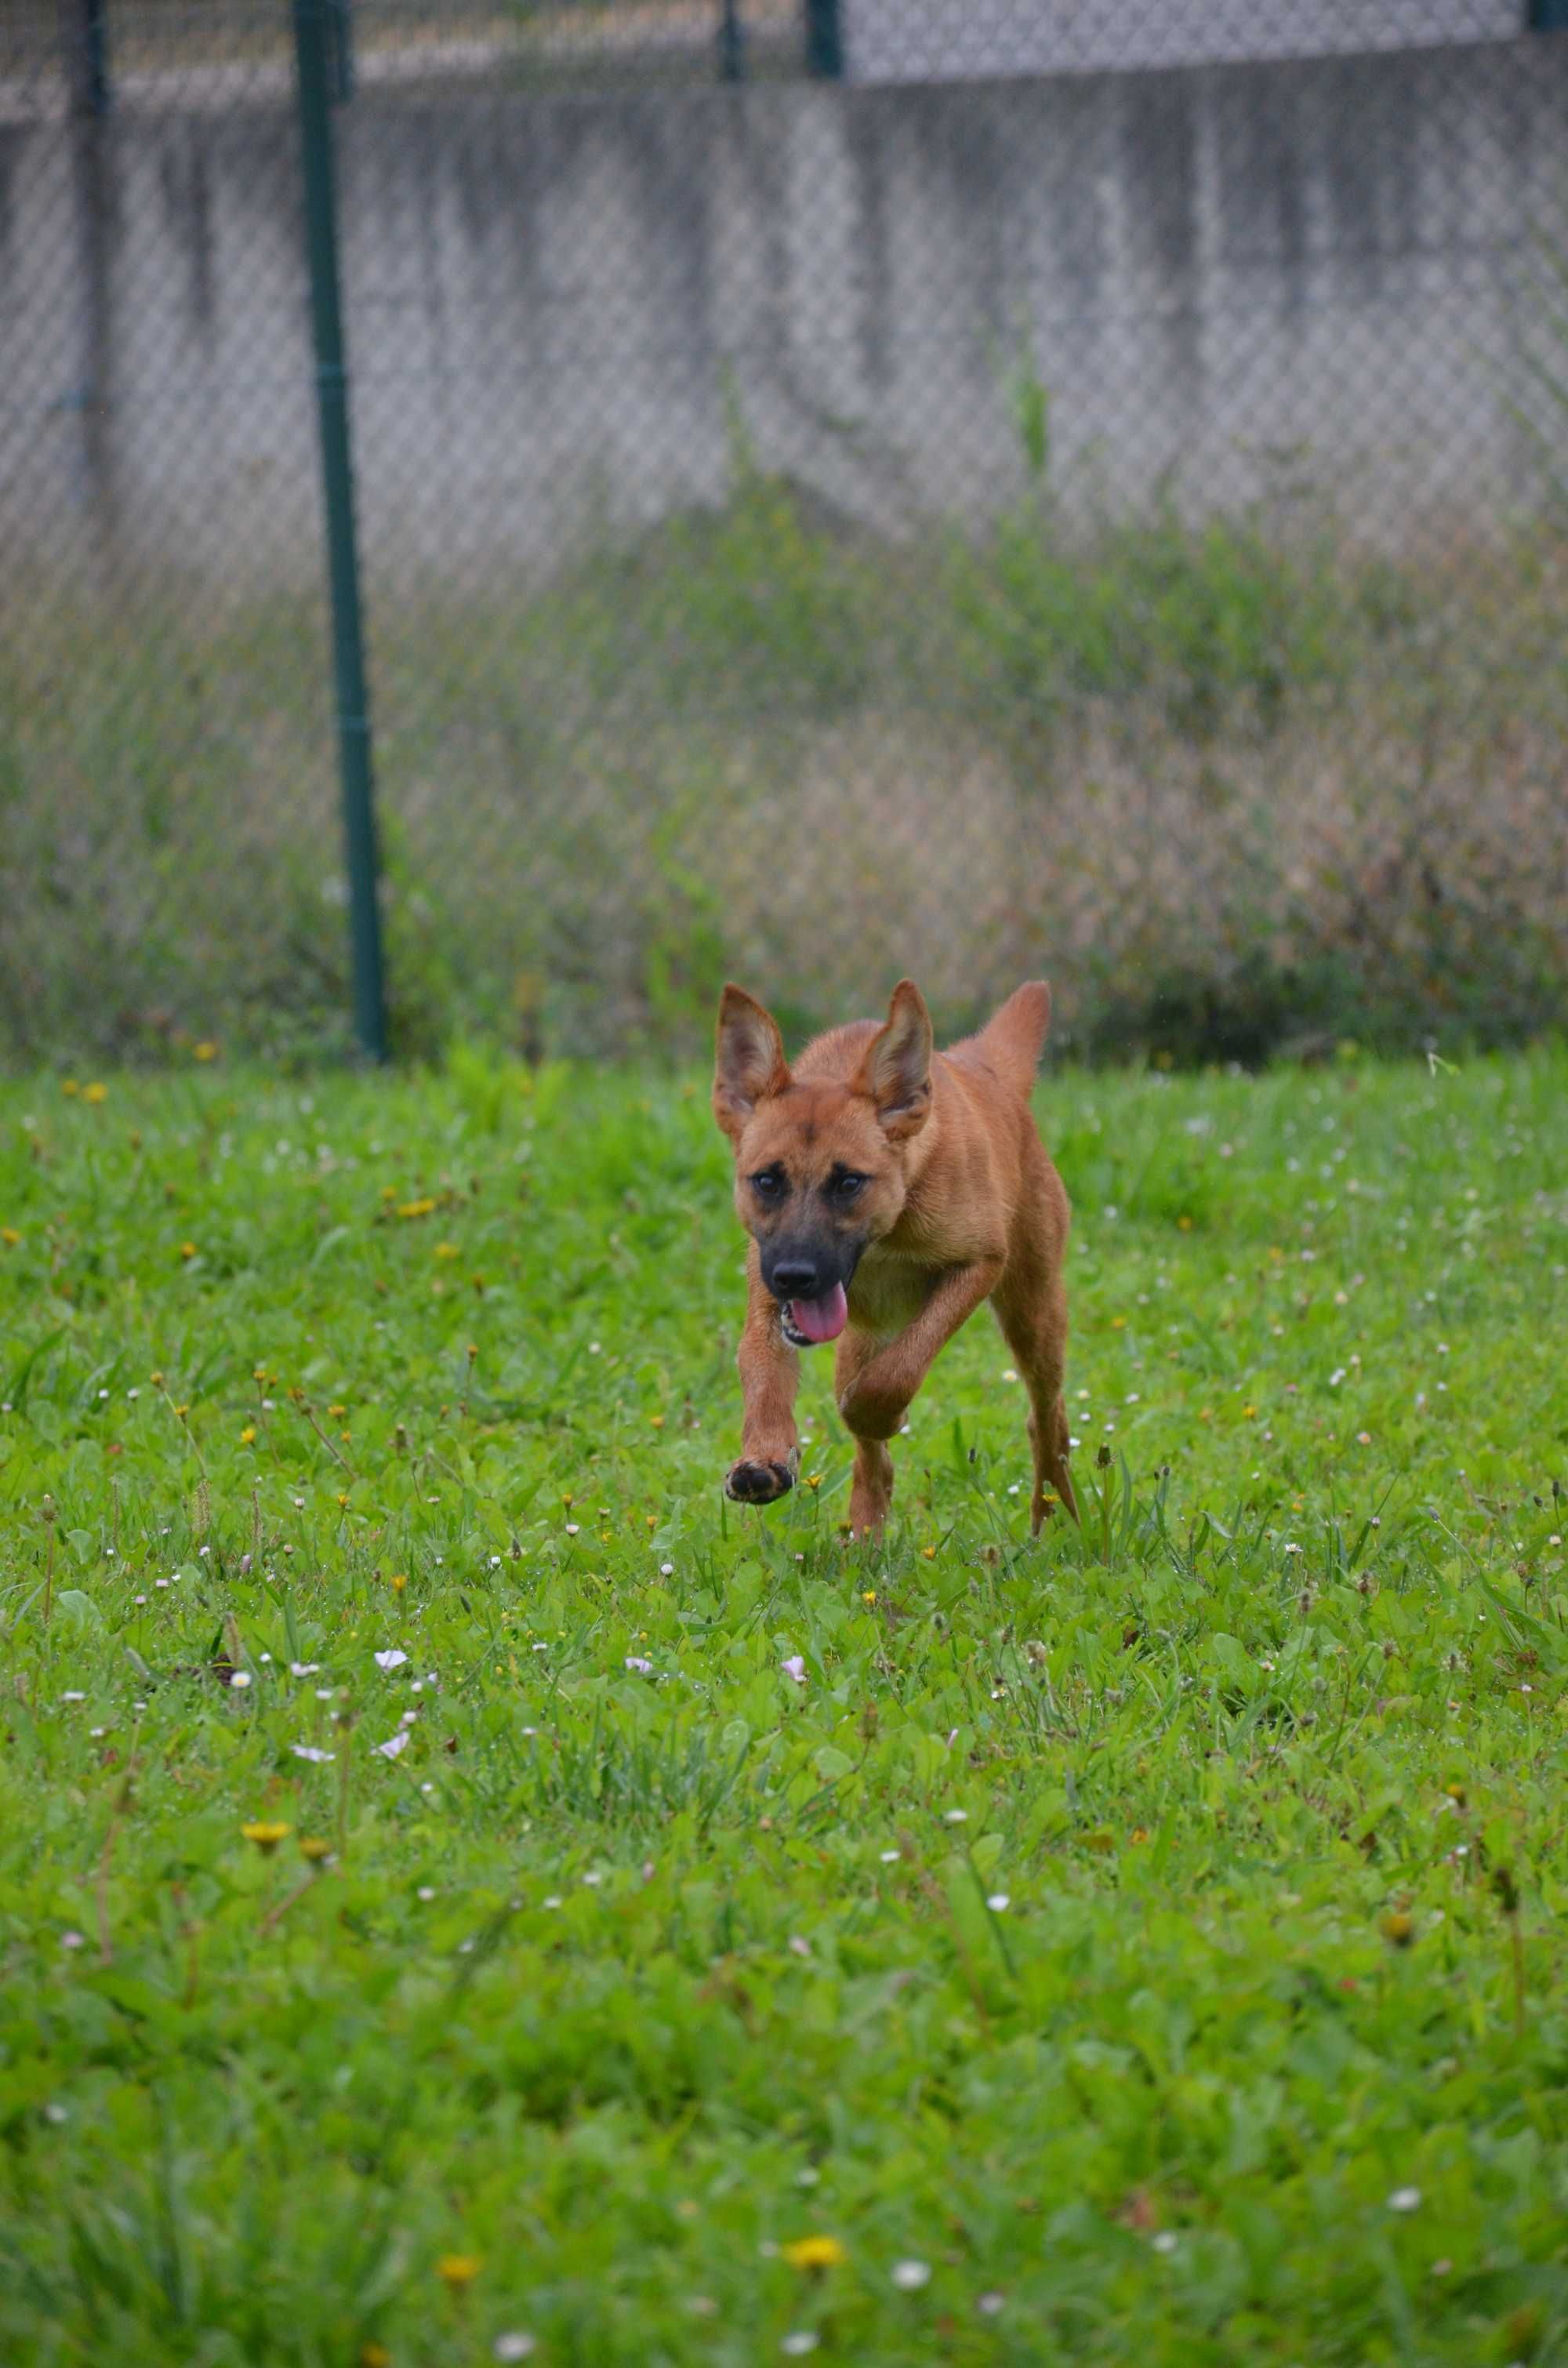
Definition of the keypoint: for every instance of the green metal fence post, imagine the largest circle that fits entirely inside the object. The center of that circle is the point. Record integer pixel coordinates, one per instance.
(84, 31)
(311, 48)
(732, 43)
(824, 40)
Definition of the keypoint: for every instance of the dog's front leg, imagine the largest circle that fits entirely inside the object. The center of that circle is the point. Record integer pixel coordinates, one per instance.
(870, 1490)
(770, 1373)
(878, 1396)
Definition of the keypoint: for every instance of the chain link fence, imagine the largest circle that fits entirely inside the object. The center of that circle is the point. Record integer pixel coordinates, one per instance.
(977, 488)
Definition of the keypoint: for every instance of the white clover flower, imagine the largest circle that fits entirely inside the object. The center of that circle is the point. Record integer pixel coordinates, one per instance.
(910, 2276)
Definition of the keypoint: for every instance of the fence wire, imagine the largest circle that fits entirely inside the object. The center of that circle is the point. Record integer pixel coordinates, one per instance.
(845, 487)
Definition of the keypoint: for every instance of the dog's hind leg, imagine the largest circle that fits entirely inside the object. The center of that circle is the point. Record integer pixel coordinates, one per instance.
(870, 1491)
(1034, 1325)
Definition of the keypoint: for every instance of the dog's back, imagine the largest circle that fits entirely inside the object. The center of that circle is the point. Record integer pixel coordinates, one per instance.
(1009, 1045)
(1012, 1039)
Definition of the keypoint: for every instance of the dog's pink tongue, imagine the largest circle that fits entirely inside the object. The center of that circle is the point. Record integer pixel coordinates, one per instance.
(824, 1318)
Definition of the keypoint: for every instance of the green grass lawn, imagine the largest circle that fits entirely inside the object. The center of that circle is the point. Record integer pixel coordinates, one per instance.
(1142, 1946)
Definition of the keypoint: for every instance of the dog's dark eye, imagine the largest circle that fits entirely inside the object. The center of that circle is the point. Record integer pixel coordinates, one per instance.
(847, 1186)
(769, 1185)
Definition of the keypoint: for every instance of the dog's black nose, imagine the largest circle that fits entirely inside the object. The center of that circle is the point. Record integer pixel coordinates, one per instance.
(794, 1278)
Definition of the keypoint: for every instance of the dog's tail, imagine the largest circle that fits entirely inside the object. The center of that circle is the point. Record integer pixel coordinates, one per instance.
(1012, 1040)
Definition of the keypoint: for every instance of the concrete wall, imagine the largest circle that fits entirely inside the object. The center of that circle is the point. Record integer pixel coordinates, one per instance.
(946, 40)
(1218, 271)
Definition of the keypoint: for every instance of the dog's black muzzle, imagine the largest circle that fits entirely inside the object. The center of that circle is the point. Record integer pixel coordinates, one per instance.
(807, 1269)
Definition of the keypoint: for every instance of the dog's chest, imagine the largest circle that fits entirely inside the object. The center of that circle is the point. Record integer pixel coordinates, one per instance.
(888, 1292)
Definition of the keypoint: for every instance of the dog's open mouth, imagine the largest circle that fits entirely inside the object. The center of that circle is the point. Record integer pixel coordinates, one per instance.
(806, 1323)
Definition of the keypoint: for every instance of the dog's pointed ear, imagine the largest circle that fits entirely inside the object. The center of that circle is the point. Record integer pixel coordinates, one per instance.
(750, 1061)
(896, 1071)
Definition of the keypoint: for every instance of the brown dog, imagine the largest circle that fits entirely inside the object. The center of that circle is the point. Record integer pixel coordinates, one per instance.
(889, 1189)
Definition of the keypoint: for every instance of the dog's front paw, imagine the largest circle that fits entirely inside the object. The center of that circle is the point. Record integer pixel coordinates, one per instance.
(749, 1483)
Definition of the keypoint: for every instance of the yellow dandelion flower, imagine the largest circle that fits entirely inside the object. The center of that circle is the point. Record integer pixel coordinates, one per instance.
(10, 1237)
(1184, 1225)
(374, 2355)
(1248, 1412)
(188, 1249)
(813, 1479)
(267, 1833)
(157, 1379)
(205, 1051)
(388, 1191)
(313, 1847)
(447, 1251)
(458, 2271)
(248, 1436)
(342, 1498)
(1139, 1833)
(416, 1208)
(657, 1422)
(399, 1581)
(1119, 1323)
(1398, 1928)
(69, 1086)
(338, 1409)
(929, 1553)
(814, 2253)
(180, 1412)
(869, 1595)
(94, 1093)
